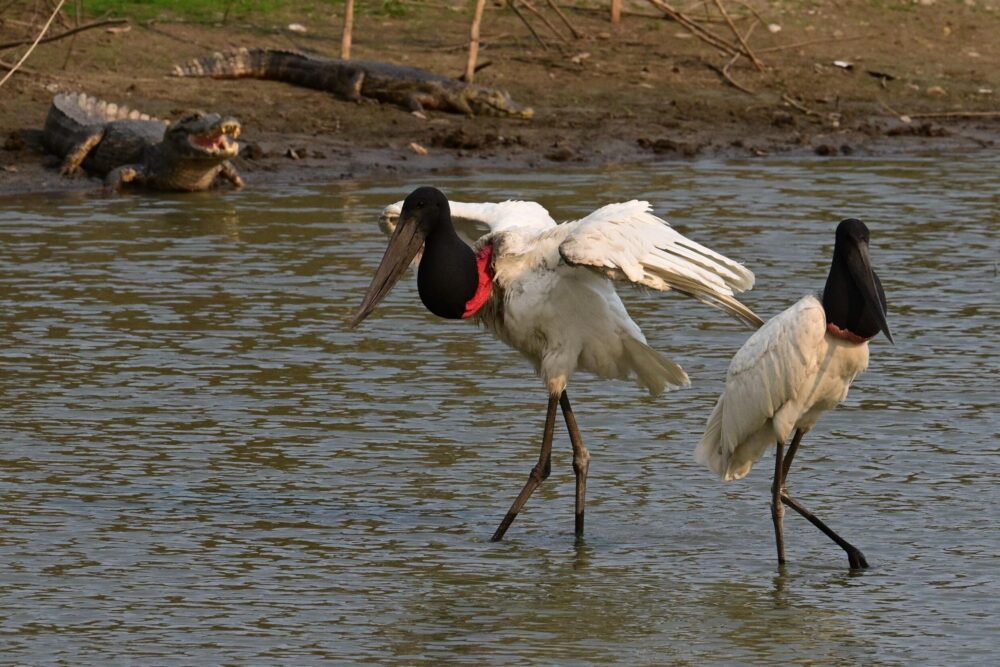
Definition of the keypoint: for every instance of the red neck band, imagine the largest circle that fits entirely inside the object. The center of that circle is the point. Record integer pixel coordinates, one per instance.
(846, 334)
(484, 267)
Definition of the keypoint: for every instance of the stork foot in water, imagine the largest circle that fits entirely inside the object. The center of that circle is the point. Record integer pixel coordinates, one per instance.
(780, 497)
(538, 474)
(581, 461)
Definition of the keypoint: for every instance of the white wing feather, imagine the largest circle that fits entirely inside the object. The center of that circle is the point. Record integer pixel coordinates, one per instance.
(627, 242)
(766, 373)
(477, 219)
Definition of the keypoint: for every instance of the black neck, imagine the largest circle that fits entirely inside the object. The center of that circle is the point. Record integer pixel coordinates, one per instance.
(844, 302)
(447, 277)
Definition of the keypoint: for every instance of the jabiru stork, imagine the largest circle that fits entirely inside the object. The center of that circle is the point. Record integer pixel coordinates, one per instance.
(800, 364)
(546, 290)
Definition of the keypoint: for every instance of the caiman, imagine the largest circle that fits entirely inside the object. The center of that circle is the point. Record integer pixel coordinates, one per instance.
(409, 87)
(126, 146)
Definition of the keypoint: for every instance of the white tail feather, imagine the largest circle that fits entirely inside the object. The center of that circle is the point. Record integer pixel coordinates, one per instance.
(655, 372)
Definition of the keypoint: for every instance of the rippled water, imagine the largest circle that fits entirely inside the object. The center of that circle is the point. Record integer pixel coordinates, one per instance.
(200, 465)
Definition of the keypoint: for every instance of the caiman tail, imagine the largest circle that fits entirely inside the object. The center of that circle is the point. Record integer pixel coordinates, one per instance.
(278, 65)
(71, 112)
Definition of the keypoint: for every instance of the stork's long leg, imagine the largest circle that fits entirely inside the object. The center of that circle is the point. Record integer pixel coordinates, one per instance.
(790, 454)
(854, 555)
(537, 475)
(777, 511)
(581, 460)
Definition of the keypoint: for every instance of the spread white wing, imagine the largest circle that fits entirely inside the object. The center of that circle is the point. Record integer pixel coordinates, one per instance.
(627, 242)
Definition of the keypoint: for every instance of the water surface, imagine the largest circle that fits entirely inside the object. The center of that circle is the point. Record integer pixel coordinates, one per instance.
(201, 465)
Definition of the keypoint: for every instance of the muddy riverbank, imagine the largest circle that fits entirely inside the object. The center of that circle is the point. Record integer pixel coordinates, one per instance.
(851, 78)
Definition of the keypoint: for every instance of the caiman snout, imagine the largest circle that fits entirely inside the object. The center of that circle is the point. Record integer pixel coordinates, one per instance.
(209, 135)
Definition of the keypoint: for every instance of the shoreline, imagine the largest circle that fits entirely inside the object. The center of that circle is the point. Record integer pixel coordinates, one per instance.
(642, 91)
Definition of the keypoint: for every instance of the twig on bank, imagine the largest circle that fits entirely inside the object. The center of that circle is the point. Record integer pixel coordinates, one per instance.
(548, 24)
(753, 11)
(898, 114)
(576, 33)
(743, 42)
(72, 40)
(38, 39)
(798, 105)
(10, 66)
(956, 114)
(483, 43)
(531, 29)
(86, 26)
(695, 29)
(772, 49)
(725, 70)
(724, 73)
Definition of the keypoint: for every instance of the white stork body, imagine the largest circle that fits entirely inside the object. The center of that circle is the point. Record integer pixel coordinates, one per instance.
(554, 301)
(546, 290)
(785, 376)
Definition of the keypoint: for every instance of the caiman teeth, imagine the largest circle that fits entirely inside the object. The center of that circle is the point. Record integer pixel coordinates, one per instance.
(213, 142)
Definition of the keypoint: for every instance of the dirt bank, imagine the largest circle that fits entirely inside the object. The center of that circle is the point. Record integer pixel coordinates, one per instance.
(645, 89)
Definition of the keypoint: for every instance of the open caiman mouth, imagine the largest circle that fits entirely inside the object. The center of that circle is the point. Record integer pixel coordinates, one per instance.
(218, 141)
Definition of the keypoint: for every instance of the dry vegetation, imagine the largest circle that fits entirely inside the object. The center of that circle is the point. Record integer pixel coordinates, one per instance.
(911, 75)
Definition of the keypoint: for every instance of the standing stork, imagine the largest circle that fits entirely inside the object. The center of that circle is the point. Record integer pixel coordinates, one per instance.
(544, 289)
(793, 369)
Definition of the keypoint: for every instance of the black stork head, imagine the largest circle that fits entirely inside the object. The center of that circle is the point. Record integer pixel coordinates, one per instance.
(425, 214)
(853, 297)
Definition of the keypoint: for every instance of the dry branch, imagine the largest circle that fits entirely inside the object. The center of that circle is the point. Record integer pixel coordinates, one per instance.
(725, 70)
(801, 107)
(956, 114)
(810, 42)
(576, 33)
(691, 26)
(746, 47)
(86, 26)
(38, 39)
(531, 8)
(345, 41)
(470, 65)
(524, 20)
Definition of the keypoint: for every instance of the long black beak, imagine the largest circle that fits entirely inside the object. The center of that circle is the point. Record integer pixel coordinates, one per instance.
(404, 244)
(860, 266)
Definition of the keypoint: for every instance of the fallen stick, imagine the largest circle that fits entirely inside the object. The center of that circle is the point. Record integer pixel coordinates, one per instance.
(531, 8)
(724, 73)
(524, 20)
(86, 26)
(772, 49)
(751, 10)
(10, 66)
(38, 39)
(801, 107)
(956, 114)
(725, 70)
(695, 29)
(576, 33)
(746, 47)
